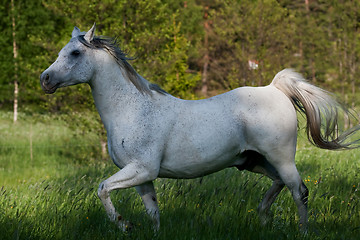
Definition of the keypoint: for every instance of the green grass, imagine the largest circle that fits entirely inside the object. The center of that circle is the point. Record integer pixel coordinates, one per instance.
(52, 195)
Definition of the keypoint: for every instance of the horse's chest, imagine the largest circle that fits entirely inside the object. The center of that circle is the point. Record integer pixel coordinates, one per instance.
(120, 152)
(125, 148)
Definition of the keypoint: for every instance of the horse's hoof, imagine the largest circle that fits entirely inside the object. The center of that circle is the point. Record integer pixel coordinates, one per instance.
(125, 226)
(303, 228)
(265, 217)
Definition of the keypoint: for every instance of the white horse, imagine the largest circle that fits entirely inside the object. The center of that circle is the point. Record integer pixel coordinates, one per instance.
(152, 134)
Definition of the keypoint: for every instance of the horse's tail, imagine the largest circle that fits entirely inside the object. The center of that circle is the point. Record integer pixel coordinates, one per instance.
(321, 110)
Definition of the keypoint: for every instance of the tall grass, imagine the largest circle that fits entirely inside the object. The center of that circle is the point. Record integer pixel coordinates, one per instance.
(40, 146)
(52, 195)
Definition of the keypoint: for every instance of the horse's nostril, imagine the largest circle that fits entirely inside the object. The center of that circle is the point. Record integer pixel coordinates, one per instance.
(45, 78)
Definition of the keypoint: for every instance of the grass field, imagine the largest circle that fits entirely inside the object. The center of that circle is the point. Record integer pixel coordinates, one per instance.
(49, 174)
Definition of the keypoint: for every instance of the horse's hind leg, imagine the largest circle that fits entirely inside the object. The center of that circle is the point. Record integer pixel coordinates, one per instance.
(148, 195)
(257, 163)
(300, 193)
(268, 200)
(282, 170)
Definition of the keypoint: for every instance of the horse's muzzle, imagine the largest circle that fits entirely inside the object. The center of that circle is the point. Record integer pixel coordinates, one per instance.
(46, 83)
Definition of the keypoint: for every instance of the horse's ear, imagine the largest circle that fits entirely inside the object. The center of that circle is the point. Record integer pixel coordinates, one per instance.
(90, 34)
(76, 32)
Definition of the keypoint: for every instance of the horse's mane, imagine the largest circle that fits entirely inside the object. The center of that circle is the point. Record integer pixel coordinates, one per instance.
(112, 47)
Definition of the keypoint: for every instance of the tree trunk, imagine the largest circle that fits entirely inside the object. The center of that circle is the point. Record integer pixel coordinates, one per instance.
(16, 85)
(352, 68)
(204, 80)
(307, 6)
(341, 77)
(311, 58)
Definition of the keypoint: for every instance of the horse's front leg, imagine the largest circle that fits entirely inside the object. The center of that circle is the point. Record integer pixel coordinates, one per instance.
(131, 175)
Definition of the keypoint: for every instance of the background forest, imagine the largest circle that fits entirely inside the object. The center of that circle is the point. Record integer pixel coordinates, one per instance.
(193, 48)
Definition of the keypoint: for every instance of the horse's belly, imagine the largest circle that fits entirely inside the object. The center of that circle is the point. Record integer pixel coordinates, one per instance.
(191, 162)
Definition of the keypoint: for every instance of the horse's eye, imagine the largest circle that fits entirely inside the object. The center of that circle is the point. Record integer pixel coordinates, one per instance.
(75, 53)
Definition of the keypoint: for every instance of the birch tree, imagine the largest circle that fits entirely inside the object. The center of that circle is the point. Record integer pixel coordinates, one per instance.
(15, 55)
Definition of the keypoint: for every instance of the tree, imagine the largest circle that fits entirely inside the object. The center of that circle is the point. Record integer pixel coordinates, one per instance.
(16, 85)
(176, 42)
(6, 56)
(28, 31)
(177, 79)
(249, 30)
(345, 50)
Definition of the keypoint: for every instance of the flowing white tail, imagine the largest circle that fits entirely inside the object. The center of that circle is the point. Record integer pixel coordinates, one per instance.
(320, 108)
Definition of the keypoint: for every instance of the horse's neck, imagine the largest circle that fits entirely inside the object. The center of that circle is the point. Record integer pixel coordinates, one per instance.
(114, 95)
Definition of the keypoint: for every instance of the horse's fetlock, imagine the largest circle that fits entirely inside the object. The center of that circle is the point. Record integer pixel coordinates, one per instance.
(304, 194)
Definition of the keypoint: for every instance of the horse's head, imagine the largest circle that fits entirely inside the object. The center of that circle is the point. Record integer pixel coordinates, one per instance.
(73, 65)
(87, 57)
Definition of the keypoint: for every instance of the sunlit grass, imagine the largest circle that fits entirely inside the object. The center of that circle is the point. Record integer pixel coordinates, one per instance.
(33, 149)
(53, 195)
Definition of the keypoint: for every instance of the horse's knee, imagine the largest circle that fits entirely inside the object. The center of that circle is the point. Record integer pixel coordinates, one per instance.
(102, 191)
